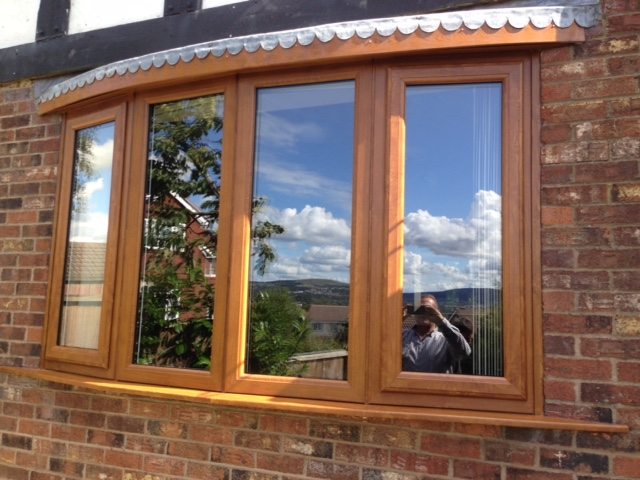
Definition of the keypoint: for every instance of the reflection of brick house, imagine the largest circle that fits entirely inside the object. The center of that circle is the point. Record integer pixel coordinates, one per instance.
(328, 321)
(83, 294)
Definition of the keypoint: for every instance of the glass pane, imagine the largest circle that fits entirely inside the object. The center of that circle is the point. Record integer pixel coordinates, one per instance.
(301, 227)
(453, 230)
(182, 199)
(87, 238)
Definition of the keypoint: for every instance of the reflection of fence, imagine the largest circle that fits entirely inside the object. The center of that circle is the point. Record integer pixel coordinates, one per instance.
(80, 325)
(331, 365)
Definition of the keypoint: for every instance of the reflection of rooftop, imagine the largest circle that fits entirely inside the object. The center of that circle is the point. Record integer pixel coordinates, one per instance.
(328, 314)
(85, 262)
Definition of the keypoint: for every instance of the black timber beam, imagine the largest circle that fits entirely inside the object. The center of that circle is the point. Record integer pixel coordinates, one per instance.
(53, 19)
(83, 51)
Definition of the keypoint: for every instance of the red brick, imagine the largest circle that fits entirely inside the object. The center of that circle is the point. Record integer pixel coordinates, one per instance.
(615, 171)
(389, 436)
(608, 393)
(578, 369)
(575, 152)
(123, 459)
(558, 258)
(627, 466)
(555, 133)
(476, 470)
(556, 174)
(69, 433)
(556, 92)
(522, 474)
(561, 54)
(624, 23)
(559, 345)
(609, 259)
(558, 302)
(165, 465)
(34, 428)
(87, 419)
(203, 470)
(280, 463)
(616, 46)
(577, 70)
(574, 112)
(577, 324)
(598, 302)
(622, 348)
(49, 145)
(372, 456)
(575, 195)
(413, 462)
(72, 400)
(594, 280)
(257, 441)
(284, 424)
(627, 236)
(629, 416)
(557, 215)
(625, 148)
(233, 456)
(610, 87)
(608, 214)
(559, 390)
(624, 107)
(108, 404)
(629, 372)
(450, 445)
(193, 414)
(139, 443)
(626, 193)
(332, 471)
(210, 434)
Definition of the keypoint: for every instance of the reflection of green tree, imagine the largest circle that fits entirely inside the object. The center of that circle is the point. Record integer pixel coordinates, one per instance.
(84, 170)
(176, 303)
(278, 330)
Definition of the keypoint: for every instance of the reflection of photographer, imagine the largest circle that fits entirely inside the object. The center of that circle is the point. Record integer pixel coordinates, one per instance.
(433, 345)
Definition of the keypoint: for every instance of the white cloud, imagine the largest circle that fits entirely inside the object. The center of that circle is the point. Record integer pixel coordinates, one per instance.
(100, 156)
(283, 133)
(293, 179)
(314, 225)
(89, 188)
(478, 236)
(89, 227)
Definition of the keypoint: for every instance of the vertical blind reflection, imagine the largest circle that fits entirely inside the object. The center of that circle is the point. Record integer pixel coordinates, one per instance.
(301, 228)
(453, 220)
(87, 237)
(182, 199)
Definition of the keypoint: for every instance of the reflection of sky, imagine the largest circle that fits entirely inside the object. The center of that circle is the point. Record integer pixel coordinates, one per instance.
(304, 169)
(453, 187)
(91, 223)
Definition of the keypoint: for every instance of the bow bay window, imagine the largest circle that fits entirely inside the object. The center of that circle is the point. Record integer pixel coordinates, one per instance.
(359, 233)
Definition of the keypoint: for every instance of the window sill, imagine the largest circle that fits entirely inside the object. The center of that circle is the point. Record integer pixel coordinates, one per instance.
(315, 407)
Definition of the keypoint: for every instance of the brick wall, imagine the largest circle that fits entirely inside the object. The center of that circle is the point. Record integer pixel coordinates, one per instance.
(590, 197)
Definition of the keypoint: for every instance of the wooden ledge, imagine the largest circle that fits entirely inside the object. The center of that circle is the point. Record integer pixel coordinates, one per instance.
(363, 412)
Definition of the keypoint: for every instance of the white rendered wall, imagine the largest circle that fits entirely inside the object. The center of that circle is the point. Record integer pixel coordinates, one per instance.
(88, 15)
(218, 3)
(18, 21)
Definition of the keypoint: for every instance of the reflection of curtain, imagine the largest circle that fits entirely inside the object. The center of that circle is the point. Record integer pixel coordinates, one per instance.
(487, 272)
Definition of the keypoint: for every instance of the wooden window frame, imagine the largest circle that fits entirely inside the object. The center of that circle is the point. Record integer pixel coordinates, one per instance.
(374, 375)
(518, 390)
(236, 379)
(83, 360)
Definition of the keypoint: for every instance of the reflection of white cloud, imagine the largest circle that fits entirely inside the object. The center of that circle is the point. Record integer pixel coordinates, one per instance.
(333, 256)
(292, 179)
(89, 227)
(314, 225)
(479, 236)
(283, 133)
(101, 155)
(421, 275)
(90, 188)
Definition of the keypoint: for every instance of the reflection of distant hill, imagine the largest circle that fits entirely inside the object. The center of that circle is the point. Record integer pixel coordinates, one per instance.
(311, 290)
(459, 296)
(329, 292)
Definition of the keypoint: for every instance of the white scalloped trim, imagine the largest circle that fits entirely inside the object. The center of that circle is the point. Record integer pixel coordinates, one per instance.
(586, 15)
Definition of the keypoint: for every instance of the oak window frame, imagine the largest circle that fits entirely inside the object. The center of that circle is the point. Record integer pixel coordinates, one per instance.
(373, 371)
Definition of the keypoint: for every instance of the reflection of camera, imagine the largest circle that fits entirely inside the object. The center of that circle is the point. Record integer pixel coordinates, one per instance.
(422, 310)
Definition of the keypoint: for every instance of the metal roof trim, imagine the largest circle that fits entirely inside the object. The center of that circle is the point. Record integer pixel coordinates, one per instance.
(585, 13)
